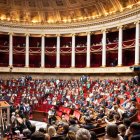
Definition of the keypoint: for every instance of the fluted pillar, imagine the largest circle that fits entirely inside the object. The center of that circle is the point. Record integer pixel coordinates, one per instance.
(43, 51)
(10, 49)
(73, 51)
(27, 51)
(104, 48)
(137, 49)
(58, 52)
(120, 45)
(88, 49)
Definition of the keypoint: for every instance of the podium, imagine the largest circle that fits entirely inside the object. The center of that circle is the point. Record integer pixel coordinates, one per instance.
(4, 115)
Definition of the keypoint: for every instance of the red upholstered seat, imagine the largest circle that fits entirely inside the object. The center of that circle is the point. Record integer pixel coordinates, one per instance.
(67, 117)
(58, 113)
(61, 109)
(77, 114)
(138, 100)
(67, 110)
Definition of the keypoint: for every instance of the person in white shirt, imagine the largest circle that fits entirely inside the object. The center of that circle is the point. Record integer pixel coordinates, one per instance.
(51, 114)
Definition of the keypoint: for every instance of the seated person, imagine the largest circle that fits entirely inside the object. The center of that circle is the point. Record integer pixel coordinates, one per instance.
(73, 125)
(129, 113)
(83, 134)
(133, 131)
(112, 133)
(89, 124)
(71, 136)
(37, 136)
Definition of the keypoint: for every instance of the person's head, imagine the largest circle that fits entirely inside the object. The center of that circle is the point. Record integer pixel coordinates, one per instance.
(66, 127)
(115, 107)
(135, 127)
(37, 136)
(126, 122)
(47, 137)
(116, 117)
(99, 121)
(88, 120)
(32, 128)
(26, 133)
(13, 113)
(112, 130)
(122, 128)
(51, 131)
(42, 130)
(70, 136)
(83, 134)
(93, 135)
(72, 121)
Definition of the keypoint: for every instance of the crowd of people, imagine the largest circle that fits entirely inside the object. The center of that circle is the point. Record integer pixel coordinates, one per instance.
(108, 102)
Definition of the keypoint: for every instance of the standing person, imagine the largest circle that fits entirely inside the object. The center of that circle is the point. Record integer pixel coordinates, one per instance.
(51, 115)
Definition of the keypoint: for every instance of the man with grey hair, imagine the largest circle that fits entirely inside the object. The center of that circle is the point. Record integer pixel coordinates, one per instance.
(83, 134)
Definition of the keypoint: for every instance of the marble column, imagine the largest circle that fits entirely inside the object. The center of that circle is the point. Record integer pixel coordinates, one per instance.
(58, 52)
(43, 51)
(27, 51)
(104, 48)
(10, 49)
(73, 51)
(120, 41)
(88, 49)
(137, 43)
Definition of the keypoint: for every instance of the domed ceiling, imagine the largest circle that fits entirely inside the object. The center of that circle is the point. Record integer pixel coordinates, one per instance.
(60, 11)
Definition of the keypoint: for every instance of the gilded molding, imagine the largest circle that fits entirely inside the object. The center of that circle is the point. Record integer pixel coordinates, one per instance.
(99, 21)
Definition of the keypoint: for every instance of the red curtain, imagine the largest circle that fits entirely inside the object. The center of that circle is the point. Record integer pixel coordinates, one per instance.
(4, 59)
(18, 57)
(35, 57)
(80, 60)
(65, 60)
(50, 60)
(128, 57)
(111, 58)
(19, 60)
(96, 59)
(50, 57)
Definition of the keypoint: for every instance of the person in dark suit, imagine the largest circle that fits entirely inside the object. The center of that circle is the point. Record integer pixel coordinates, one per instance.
(89, 125)
(134, 131)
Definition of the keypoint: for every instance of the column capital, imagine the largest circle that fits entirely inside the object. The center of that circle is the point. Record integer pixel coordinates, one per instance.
(27, 34)
(88, 33)
(10, 33)
(120, 27)
(103, 30)
(137, 22)
(73, 34)
(58, 35)
(42, 35)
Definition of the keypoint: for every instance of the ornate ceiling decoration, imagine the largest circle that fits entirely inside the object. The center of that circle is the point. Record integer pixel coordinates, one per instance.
(61, 11)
